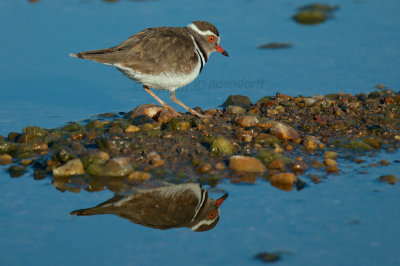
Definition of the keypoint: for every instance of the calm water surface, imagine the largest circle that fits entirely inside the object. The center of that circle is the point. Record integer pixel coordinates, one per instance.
(349, 219)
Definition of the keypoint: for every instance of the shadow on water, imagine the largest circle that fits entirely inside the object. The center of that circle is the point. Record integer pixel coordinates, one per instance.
(170, 206)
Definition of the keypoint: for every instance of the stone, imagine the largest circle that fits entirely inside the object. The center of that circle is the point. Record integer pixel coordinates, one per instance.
(166, 115)
(310, 17)
(267, 257)
(236, 110)
(331, 154)
(299, 167)
(150, 110)
(373, 141)
(72, 167)
(117, 167)
(312, 143)
(247, 121)
(330, 162)
(64, 155)
(249, 164)
(221, 146)
(16, 170)
(390, 179)
(284, 132)
(220, 166)
(239, 100)
(138, 176)
(155, 159)
(204, 168)
(277, 164)
(178, 124)
(268, 156)
(132, 129)
(5, 159)
(284, 181)
(141, 120)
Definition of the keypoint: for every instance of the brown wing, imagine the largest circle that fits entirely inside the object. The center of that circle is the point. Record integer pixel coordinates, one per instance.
(152, 51)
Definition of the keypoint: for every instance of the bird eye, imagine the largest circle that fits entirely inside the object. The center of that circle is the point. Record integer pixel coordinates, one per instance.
(211, 38)
(211, 215)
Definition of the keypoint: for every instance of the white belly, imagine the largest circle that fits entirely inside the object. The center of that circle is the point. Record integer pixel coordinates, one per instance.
(164, 81)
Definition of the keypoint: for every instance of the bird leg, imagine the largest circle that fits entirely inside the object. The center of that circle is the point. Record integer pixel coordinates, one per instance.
(173, 97)
(160, 101)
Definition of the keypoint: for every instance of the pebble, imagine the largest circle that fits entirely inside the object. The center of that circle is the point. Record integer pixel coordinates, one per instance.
(329, 162)
(312, 143)
(277, 164)
(331, 154)
(177, 124)
(5, 159)
(316, 164)
(222, 146)
(132, 129)
(155, 159)
(120, 166)
(284, 132)
(150, 110)
(204, 168)
(138, 176)
(247, 121)
(220, 166)
(166, 115)
(284, 181)
(249, 164)
(390, 179)
(384, 162)
(332, 169)
(239, 100)
(299, 167)
(234, 109)
(267, 257)
(72, 167)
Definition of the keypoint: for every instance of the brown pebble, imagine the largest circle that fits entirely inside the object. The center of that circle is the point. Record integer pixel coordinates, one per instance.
(330, 162)
(284, 132)
(246, 121)
(332, 169)
(299, 167)
(284, 181)
(242, 163)
(138, 176)
(155, 159)
(312, 143)
(384, 162)
(166, 115)
(390, 179)
(289, 147)
(314, 178)
(359, 161)
(331, 154)
(5, 159)
(316, 164)
(40, 146)
(204, 168)
(220, 166)
(277, 164)
(131, 129)
(72, 167)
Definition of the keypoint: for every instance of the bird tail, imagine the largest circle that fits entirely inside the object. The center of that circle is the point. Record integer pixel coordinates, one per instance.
(100, 56)
(84, 212)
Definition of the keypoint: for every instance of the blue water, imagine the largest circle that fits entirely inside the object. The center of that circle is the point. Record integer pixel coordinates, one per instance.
(349, 219)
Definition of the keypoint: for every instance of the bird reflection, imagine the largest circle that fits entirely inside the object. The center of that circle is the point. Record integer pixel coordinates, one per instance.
(184, 205)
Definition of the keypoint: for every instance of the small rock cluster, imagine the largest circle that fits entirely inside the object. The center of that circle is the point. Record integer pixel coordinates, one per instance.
(279, 138)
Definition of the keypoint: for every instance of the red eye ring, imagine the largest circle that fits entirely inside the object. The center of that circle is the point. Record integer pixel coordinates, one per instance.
(211, 215)
(211, 38)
